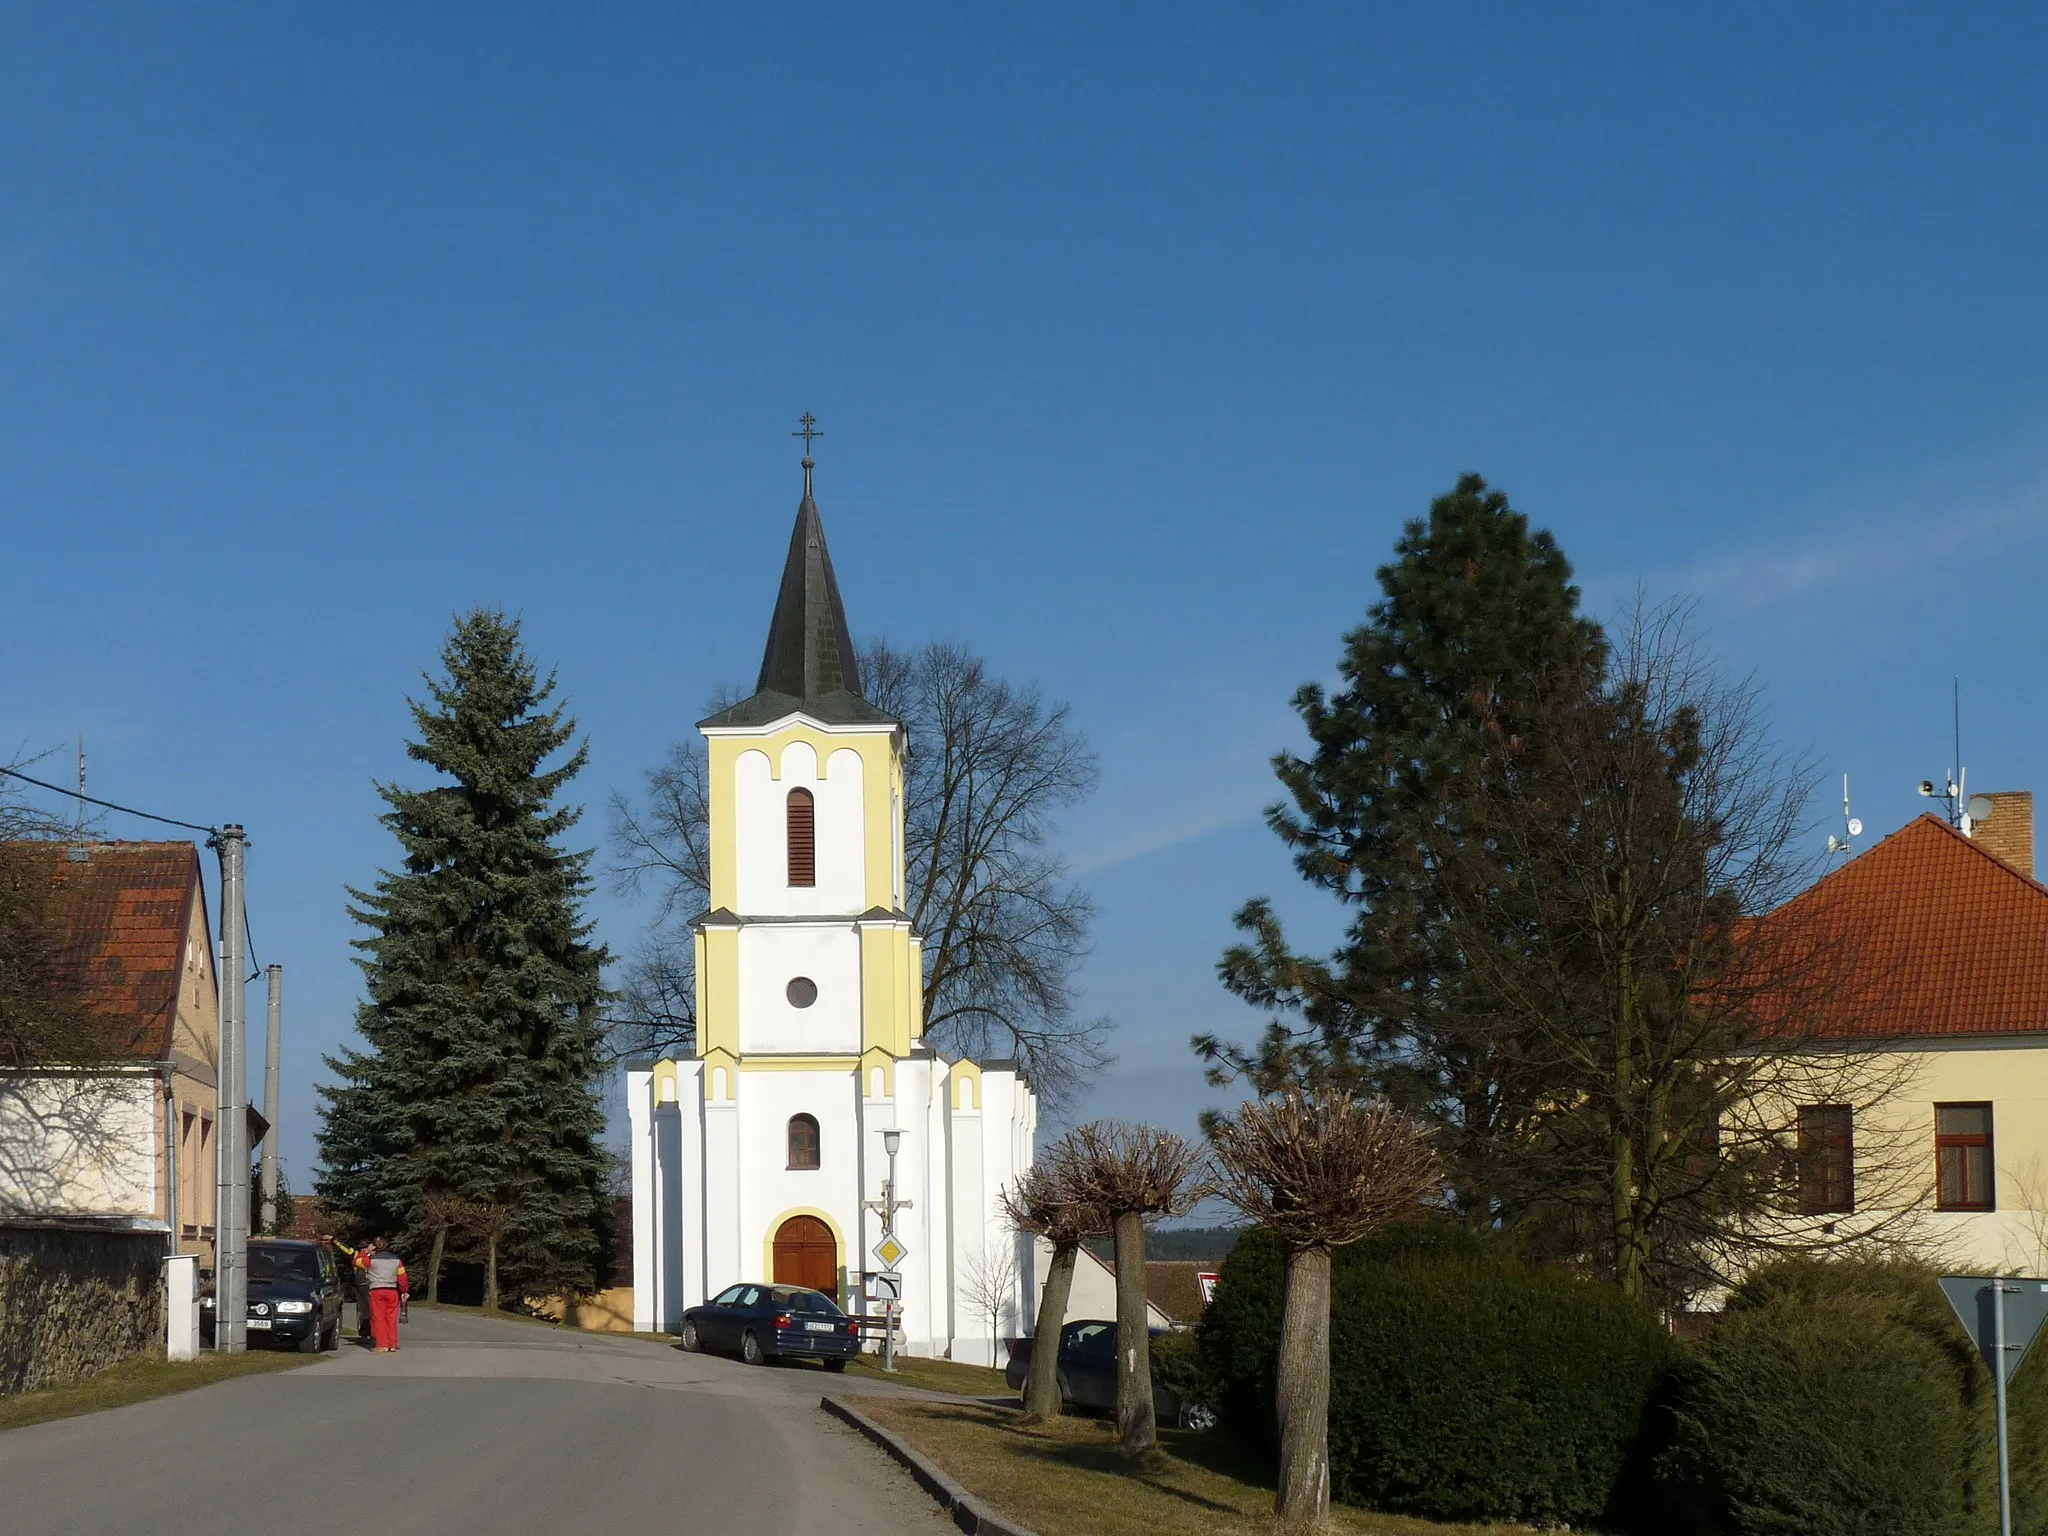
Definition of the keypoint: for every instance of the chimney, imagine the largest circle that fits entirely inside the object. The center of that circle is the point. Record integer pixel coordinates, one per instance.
(2008, 832)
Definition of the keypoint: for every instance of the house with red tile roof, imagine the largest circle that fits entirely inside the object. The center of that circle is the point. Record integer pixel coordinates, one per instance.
(127, 1143)
(1950, 945)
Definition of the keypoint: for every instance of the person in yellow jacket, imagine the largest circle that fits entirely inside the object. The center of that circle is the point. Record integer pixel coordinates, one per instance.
(359, 1270)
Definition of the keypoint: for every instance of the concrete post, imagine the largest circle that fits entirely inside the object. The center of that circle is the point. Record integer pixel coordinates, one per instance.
(231, 1142)
(181, 1306)
(272, 1033)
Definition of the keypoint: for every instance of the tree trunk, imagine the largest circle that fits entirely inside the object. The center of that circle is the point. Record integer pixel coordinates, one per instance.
(1303, 1398)
(434, 1263)
(1136, 1430)
(491, 1273)
(1042, 1386)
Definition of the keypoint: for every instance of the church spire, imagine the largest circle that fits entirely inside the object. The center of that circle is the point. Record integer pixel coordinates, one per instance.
(809, 662)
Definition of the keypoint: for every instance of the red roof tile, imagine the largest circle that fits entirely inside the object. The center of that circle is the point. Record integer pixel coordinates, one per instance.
(1951, 940)
(119, 916)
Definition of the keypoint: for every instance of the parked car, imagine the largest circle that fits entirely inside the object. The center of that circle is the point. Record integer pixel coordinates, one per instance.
(294, 1296)
(1087, 1375)
(760, 1323)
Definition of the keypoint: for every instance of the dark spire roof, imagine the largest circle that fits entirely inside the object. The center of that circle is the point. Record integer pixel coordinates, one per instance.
(809, 663)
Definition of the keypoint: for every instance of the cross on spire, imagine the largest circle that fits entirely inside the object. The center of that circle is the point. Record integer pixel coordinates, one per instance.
(807, 429)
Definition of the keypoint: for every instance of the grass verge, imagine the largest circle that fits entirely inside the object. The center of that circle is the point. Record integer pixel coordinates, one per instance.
(1068, 1479)
(504, 1316)
(932, 1375)
(138, 1380)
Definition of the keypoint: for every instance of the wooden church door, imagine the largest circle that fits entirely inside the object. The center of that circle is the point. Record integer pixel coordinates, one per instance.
(806, 1255)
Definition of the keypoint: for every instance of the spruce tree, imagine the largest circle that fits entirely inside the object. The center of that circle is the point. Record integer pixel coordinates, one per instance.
(482, 1019)
(1477, 623)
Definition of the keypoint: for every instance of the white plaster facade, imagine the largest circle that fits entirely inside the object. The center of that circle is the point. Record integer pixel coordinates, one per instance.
(711, 1150)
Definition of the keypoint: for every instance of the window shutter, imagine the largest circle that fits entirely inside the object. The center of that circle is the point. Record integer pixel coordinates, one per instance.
(803, 838)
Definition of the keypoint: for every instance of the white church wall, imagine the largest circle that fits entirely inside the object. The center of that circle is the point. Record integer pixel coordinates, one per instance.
(761, 832)
(723, 1251)
(770, 957)
(686, 1290)
(771, 1190)
(647, 1238)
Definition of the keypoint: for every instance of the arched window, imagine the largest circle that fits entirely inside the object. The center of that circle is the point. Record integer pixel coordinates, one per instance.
(803, 838)
(803, 1141)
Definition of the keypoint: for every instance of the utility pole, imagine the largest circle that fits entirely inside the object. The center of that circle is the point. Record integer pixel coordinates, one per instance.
(231, 1140)
(272, 1034)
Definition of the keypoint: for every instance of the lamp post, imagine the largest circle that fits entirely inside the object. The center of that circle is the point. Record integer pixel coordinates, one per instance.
(889, 1205)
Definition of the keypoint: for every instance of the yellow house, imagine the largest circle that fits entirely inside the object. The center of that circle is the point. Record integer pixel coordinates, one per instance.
(1950, 933)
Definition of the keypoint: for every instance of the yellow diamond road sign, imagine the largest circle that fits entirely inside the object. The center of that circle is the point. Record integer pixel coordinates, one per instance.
(891, 1252)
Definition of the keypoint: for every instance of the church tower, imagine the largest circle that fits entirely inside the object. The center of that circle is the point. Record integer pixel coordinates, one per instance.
(761, 1158)
(807, 952)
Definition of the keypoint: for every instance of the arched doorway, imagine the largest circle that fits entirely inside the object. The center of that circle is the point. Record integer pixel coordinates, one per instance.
(806, 1254)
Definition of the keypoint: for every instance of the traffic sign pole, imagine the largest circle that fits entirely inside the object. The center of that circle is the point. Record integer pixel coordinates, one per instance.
(2003, 1317)
(888, 1250)
(1998, 1382)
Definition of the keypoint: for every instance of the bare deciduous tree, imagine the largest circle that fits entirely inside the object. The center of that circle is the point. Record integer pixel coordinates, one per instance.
(989, 766)
(1046, 1203)
(1136, 1174)
(988, 1284)
(1318, 1172)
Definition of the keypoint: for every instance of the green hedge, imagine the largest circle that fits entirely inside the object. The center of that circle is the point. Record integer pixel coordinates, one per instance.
(1841, 1397)
(1465, 1385)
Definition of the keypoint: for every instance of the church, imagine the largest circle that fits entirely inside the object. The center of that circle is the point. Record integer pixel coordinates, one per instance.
(764, 1156)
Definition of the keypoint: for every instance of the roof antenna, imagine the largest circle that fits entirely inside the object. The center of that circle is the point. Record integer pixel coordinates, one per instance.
(1852, 828)
(81, 786)
(1963, 809)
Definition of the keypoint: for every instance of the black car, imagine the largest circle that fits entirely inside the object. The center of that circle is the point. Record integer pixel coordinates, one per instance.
(1087, 1375)
(760, 1323)
(294, 1296)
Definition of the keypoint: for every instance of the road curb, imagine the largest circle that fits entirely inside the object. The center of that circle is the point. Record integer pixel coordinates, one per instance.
(968, 1512)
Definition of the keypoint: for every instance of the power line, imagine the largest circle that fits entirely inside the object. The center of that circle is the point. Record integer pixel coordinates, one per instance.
(125, 810)
(129, 810)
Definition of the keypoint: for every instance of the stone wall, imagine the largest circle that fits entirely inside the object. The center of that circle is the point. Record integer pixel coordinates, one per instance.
(74, 1300)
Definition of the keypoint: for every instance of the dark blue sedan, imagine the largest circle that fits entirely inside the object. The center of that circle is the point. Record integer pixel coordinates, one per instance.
(760, 1323)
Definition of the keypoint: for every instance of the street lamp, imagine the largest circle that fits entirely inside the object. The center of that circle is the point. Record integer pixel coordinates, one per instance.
(888, 1206)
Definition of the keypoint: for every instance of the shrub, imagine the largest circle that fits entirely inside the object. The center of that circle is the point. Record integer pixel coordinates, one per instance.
(1842, 1396)
(1798, 1422)
(1465, 1385)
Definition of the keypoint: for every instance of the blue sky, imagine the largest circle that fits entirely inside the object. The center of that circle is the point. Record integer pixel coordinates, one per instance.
(1137, 332)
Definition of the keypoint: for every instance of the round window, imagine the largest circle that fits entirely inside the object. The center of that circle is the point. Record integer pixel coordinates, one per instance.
(801, 992)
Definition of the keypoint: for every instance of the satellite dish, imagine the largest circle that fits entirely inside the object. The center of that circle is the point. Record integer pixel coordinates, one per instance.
(1855, 826)
(1981, 807)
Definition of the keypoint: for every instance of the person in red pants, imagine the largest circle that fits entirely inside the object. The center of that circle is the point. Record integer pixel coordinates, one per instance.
(389, 1286)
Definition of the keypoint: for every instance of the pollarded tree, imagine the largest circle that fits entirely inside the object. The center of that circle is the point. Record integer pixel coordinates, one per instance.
(1318, 1171)
(1136, 1174)
(1046, 1203)
(484, 1013)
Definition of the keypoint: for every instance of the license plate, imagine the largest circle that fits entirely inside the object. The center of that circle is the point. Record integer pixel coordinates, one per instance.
(818, 1327)
(259, 1322)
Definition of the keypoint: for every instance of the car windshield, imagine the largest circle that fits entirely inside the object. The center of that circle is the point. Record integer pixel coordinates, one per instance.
(283, 1264)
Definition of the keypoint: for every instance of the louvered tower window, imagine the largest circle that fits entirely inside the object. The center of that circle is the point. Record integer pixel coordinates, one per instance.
(803, 838)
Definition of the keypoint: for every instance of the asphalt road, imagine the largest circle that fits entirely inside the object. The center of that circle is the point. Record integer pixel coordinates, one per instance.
(474, 1426)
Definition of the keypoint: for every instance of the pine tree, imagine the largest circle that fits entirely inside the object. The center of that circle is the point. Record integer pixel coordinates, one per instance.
(482, 1019)
(1478, 621)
